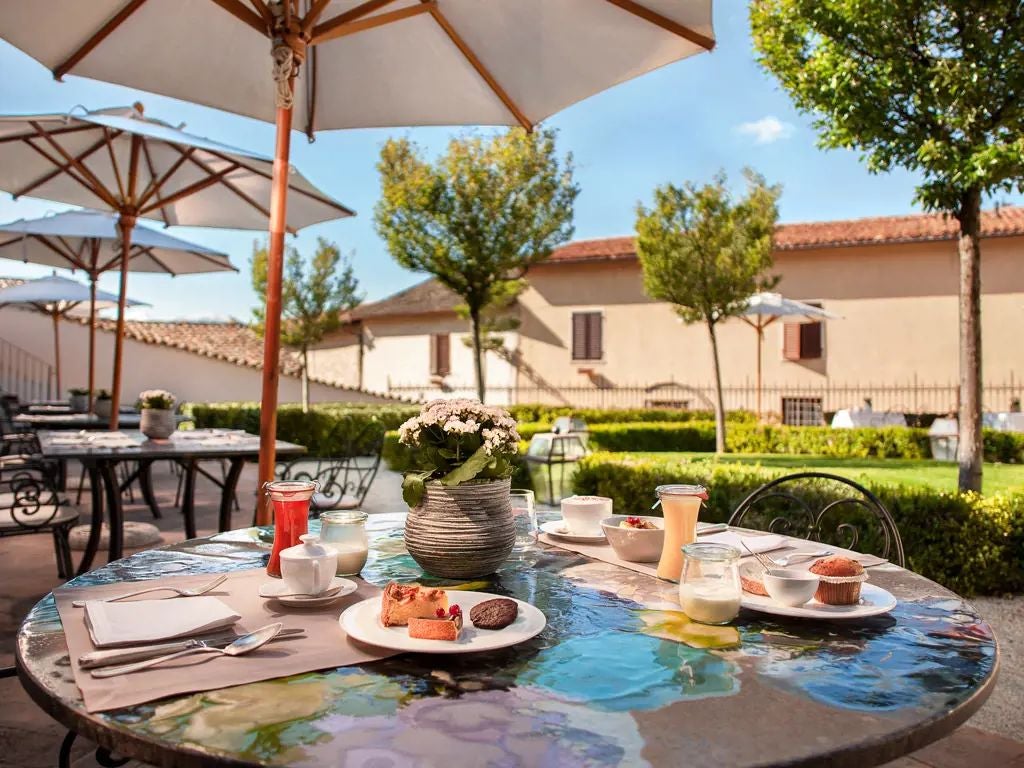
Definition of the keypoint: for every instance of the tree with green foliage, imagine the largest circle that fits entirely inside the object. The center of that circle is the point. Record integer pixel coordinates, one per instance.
(705, 251)
(477, 218)
(313, 296)
(933, 86)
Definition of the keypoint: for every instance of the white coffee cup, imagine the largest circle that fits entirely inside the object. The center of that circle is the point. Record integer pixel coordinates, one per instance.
(308, 568)
(582, 515)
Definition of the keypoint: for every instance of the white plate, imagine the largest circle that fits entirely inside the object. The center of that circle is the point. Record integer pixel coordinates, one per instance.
(557, 528)
(873, 601)
(277, 589)
(362, 622)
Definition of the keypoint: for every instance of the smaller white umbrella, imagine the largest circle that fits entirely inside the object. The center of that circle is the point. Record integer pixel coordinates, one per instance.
(56, 297)
(766, 308)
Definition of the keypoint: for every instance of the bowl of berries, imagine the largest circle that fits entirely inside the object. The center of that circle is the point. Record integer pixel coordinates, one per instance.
(636, 539)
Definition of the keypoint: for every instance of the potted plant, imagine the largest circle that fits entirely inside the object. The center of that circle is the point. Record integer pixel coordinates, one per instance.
(460, 514)
(101, 405)
(79, 399)
(157, 407)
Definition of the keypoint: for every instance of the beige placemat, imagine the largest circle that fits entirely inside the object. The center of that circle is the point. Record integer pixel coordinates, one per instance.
(605, 553)
(325, 645)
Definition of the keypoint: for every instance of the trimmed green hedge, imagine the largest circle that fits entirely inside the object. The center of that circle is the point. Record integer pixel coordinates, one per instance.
(546, 414)
(971, 544)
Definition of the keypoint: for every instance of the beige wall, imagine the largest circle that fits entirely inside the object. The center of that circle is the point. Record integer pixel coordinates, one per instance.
(396, 359)
(146, 366)
(898, 304)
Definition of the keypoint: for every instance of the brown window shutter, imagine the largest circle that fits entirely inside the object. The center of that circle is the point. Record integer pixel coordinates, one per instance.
(810, 341)
(791, 341)
(595, 349)
(444, 354)
(587, 341)
(579, 336)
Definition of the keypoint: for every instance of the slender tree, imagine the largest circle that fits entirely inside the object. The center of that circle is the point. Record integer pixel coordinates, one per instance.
(934, 86)
(313, 296)
(478, 217)
(705, 251)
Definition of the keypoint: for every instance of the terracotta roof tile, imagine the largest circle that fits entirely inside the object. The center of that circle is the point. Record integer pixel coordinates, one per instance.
(878, 230)
(424, 298)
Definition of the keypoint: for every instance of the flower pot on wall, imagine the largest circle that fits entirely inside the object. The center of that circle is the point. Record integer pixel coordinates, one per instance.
(79, 403)
(463, 531)
(101, 407)
(157, 423)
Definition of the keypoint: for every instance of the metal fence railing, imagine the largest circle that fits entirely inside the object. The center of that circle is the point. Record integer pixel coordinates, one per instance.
(911, 397)
(25, 375)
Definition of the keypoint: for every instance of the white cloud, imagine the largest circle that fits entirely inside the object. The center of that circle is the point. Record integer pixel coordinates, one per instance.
(767, 130)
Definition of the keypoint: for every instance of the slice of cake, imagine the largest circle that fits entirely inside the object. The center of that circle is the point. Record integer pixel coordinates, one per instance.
(443, 626)
(401, 602)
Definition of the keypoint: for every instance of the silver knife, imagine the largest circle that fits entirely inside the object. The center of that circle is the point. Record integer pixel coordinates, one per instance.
(95, 659)
(716, 528)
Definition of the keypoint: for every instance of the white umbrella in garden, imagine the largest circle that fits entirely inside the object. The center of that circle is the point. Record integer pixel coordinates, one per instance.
(768, 307)
(121, 161)
(57, 297)
(358, 63)
(90, 241)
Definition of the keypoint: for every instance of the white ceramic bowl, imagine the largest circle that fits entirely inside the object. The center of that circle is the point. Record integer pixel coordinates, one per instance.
(635, 545)
(790, 587)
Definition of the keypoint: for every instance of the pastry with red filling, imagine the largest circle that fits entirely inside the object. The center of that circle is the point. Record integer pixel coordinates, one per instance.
(401, 602)
(443, 626)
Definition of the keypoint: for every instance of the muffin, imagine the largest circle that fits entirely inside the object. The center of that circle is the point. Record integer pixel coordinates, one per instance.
(841, 578)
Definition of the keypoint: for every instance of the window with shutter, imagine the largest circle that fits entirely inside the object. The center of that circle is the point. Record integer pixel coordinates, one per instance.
(587, 332)
(810, 341)
(791, 341)
(803, 341)
(440, 354)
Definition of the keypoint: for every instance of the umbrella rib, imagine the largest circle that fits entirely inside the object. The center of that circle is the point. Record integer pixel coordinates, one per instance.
(70, 258)
(244, 14)
(262, 9)
(219, 262)
(665, 23)
(152, 176)
(68, 171)
(309, 23)
(478, 65)
(54, 132)
(191, 189)
(98, 37)
(148, 251)
(61, 168)
(108, 140)
(155, 185)
(98, 187)
(333, 29)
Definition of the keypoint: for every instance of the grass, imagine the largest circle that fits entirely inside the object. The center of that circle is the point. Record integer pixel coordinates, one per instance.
(936, 474)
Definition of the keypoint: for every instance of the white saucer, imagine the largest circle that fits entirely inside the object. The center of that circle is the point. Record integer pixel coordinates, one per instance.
(362, 622)
(277, 589)
(873, 602)
(557, 529)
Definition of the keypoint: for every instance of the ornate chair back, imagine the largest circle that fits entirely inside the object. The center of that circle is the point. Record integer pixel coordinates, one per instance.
(823, 507)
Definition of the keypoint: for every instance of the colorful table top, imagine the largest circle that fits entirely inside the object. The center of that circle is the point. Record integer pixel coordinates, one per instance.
(619, 676)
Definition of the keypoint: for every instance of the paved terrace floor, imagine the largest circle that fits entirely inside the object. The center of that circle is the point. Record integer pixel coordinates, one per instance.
(30, 739)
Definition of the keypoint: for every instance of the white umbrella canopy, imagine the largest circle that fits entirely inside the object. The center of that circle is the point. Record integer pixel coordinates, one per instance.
(766, 308)
(56, 297)
(121, 161)
(91, 241)
(357, 63)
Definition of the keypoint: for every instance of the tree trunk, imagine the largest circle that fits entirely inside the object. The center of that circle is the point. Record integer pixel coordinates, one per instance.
(478, 354)
(969, 451)
(305, 381)
(719, 400)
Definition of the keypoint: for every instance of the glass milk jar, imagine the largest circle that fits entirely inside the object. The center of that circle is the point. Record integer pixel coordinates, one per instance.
(709, 587)
(345, 533)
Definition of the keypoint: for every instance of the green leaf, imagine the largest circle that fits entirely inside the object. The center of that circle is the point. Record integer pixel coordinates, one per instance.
(469, 469)
(414, 488)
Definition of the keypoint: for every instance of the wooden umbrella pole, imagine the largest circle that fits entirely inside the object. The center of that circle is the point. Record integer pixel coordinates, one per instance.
(272, 317)
(125, 224)
(56, 348)
(92, 339)
(760, 345)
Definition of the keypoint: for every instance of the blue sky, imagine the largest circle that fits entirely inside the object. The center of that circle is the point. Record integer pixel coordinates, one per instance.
(683, 122)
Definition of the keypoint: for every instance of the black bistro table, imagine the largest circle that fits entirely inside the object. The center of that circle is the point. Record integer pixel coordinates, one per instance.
(100, 464)
(619, 677)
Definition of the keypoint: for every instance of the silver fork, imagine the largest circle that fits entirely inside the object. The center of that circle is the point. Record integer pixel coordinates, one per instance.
(194, 592)
(768, 562)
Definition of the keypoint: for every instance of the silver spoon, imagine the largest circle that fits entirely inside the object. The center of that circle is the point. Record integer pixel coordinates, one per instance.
(787, 559)
(308, 596)
(243, 645)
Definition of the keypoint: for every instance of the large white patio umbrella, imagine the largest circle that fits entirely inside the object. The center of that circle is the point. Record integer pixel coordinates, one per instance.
(121, 161)
(355, 64)
(765, 308)
(57, 297)
(90, 241)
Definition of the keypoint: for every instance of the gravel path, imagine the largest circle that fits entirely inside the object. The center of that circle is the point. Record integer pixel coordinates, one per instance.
(1003, 713)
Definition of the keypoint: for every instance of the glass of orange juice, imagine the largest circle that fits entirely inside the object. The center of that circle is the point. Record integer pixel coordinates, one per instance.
(680, 505)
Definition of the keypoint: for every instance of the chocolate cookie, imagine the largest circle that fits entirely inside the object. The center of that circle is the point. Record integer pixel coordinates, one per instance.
(494, 614)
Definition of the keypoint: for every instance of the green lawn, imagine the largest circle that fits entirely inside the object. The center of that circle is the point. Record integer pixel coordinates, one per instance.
(937, 474)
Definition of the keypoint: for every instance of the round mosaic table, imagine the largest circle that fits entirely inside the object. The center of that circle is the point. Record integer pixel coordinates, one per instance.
(616, 678)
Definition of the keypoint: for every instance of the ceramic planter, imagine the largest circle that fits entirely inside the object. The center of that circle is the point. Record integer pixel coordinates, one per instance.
(79, 403)
(463, 531)
(101, 407)
(157, 423)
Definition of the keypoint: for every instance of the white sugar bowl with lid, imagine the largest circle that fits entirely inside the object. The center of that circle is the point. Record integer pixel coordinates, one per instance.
(308, 568)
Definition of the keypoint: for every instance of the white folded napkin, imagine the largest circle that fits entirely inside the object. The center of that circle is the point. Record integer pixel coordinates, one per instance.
(747, 544)
(149, 621)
